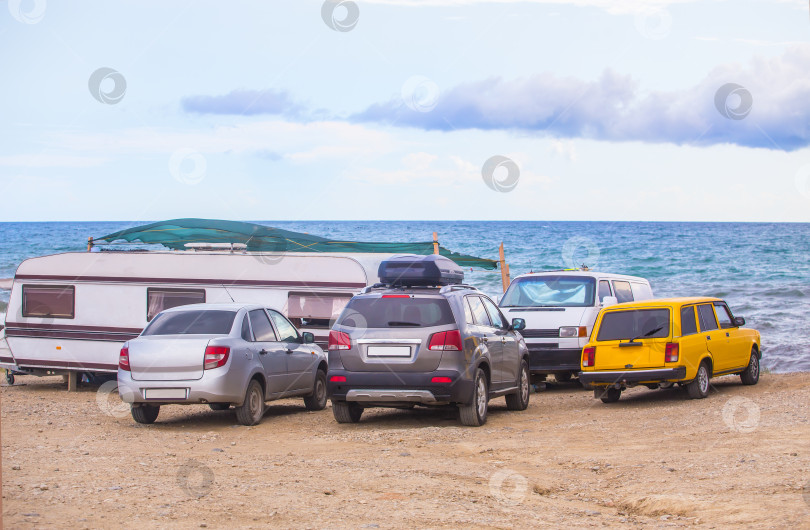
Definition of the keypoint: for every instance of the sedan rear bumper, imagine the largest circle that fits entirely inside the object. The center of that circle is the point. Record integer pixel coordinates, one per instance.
(211, 388)
(390, 388)
(633, 376)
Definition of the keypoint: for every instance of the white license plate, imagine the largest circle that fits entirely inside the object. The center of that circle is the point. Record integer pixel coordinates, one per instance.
(164, 393)
(389, 351)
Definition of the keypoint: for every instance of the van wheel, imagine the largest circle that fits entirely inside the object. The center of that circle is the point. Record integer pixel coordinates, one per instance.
(608, 395)
(145, 413)
(317, 400)
(751, 374)
(346, 412)
(699, 387)
(219, 406)
(475, 414)
(520, 399)
(250, 412)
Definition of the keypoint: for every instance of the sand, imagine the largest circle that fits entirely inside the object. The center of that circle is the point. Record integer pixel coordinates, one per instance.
(739, 457)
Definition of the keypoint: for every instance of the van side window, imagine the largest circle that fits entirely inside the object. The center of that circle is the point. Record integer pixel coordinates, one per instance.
(479, 311)
(707, 320)
(688, 324)
(723, 315)
(246, 335)
(48, 301)
(158, 299)
(262, 330)
(604, 289)
(285, 330)
(494, 314)
(623, 291)
(641, 291)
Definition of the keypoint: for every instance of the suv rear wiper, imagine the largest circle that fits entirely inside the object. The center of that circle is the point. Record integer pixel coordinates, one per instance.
(656, 330)
(396, 323)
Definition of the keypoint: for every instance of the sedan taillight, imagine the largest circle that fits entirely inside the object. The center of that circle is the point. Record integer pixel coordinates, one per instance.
(123, 358)
(215, 356)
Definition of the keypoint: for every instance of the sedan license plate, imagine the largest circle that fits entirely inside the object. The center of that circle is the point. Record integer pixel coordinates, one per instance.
(389, 351)
(164, 393)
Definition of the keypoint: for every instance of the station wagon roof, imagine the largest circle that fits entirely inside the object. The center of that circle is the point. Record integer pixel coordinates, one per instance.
(672, 302)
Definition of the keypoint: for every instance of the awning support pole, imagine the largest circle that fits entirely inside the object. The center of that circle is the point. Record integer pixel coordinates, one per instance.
(89, 244)
(435, 243)
(505, 280)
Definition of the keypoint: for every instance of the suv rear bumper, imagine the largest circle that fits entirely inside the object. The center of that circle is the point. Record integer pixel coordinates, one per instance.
(390, 388)
(633, 376)
(553, 360)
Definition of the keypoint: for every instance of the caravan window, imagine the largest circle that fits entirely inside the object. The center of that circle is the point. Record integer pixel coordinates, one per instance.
(314, 309)
(51, 301)
(158, 299)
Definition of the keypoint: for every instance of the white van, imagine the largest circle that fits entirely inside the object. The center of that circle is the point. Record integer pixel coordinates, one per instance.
(560, 308)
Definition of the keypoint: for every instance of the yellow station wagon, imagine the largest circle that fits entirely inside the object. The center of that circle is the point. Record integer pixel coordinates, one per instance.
(657, 343)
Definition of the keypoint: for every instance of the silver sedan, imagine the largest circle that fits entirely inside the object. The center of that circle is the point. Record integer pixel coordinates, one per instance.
(222, 355)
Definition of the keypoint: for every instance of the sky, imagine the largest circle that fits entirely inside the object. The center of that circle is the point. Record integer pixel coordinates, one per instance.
(661, 110)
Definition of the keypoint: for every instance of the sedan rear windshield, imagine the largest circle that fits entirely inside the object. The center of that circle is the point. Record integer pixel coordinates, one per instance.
(550, 291)
(634, 324)
(191, 323)
(389, 312)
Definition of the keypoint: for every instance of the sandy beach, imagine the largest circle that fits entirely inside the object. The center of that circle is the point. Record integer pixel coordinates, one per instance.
(740, 457)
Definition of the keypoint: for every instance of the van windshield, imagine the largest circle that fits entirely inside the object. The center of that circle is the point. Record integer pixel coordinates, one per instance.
(396, 312)
(550, 291)
(637, 324)
(191, 323)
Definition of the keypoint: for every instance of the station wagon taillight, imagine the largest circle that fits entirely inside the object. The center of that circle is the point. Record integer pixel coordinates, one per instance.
(445, 340)
(123, 358)
(339, 341)
(215, 356)
(589, 356)
(671, 353)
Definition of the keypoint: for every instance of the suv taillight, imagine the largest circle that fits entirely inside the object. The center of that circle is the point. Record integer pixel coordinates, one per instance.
(216, 356)
(589, 356)
(672, 352)
(123, 358)
(445, 340)
(339, 341)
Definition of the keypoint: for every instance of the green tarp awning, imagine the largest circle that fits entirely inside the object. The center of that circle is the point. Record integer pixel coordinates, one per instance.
(176, 233)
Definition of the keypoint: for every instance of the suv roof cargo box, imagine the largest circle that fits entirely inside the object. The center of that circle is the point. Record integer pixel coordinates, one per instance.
(409, 269)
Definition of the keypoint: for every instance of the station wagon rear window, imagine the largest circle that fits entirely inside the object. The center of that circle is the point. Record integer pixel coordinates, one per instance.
(639, 323)
(200, 322)
(395, 312)
(550, 291)
(51, 301)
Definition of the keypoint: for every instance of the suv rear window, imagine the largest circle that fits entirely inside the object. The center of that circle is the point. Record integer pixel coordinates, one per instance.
(383, 312)
(191, 323)
(641, 323)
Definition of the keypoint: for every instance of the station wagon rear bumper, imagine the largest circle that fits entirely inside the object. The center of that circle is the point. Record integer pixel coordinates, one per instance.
(633, 376)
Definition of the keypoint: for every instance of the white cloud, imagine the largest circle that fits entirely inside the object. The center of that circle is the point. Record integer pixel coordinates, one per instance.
(50, 160)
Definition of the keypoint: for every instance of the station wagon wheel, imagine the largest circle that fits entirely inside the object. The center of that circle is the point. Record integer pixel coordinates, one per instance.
(608, 395)
(751, 374)
(699, 387)
(251, 411)
(317, 400)
(474, 414)
(520, 399)
(145, 413)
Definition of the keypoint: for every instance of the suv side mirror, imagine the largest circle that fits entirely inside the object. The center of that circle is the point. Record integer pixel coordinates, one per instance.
(518, 324)
(307, 338)
(739, 321)
(609, 300)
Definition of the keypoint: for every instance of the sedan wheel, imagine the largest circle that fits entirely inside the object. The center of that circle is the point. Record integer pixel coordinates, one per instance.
(251, 411)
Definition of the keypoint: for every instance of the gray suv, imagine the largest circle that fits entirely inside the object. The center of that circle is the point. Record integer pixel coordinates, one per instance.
(413, 341)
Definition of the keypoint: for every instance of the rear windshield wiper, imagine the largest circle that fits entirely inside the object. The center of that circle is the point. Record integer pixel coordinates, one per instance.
(653, 332)
(396, 323)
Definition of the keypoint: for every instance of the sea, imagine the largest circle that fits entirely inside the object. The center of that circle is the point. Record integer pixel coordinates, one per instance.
(761, 269)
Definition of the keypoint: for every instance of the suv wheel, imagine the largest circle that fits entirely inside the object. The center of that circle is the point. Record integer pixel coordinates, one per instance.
(520, 399)
(751, 374)
(699, 387)
(475, 413)
(317, 400)
(346, 411)
(251, 411)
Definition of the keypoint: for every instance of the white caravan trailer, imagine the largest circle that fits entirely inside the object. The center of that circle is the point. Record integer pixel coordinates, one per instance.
(72, 312)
